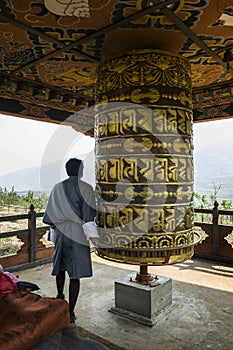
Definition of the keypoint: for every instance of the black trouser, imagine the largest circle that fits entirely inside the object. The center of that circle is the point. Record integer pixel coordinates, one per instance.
(74, 288)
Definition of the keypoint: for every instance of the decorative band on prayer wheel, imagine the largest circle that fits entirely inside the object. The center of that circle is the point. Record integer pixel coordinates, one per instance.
(144, 163)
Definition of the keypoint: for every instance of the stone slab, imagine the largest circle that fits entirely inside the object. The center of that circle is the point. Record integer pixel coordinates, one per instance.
(141, 303)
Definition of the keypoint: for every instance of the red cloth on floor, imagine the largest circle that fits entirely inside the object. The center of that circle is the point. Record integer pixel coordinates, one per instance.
(7, 285)
(27, 319)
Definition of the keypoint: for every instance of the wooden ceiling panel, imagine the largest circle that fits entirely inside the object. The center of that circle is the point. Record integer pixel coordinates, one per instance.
(55, 46)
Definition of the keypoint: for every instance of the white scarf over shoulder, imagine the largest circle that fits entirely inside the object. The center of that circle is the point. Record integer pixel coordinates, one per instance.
(60, 213)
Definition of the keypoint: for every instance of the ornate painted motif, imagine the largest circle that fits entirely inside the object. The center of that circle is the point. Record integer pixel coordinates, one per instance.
(76, 73)
(214, 112)
(67, 74)
(40, 11)
(205, 99)
(33, 111)
(144, 164)
(191, 49)
(226, 18)
(94, 47)
(154, 69)
(206, 70)
(189, 12)
(78, 8)
(40, 95)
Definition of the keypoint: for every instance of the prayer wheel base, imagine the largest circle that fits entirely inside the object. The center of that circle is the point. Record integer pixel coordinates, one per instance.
(150, 257)
(142, 303)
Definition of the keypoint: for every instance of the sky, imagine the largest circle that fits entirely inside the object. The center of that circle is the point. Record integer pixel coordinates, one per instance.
(25, 143)
(212, 132)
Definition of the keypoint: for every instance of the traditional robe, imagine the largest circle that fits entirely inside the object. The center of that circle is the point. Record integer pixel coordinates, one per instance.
(71, 211)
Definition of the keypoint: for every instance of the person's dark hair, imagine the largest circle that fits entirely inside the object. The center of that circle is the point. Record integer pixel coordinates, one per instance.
(74, 167)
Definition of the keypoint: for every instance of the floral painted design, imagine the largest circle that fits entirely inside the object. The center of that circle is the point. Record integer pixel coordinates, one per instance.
(188, 11)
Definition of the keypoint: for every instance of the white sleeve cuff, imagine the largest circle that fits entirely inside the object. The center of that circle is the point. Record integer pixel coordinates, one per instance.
(90, 230)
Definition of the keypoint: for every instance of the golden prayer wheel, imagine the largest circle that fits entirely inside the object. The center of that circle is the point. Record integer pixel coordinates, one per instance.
(144, 162)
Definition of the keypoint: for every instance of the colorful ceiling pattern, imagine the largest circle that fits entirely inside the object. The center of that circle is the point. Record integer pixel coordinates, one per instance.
(56, 45)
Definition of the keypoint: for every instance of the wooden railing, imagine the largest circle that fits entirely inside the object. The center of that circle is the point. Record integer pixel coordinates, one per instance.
(217, 243)
(33, 251)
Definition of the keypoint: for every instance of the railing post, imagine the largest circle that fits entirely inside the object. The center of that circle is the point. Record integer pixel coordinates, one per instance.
(32, 228)
(215, 229)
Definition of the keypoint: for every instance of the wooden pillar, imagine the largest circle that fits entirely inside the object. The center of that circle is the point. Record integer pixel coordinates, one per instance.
(32, 227)
(215, 229)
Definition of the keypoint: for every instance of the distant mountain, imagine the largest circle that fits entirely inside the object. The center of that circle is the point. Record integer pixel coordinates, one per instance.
(22, 180)
(213, 169)
(43, 178)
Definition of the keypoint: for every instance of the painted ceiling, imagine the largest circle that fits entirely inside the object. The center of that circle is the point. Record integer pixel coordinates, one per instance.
(49, 50)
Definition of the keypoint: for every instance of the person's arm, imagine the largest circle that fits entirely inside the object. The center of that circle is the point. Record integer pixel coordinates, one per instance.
(88, 212)
(46, 219)
(91, 233)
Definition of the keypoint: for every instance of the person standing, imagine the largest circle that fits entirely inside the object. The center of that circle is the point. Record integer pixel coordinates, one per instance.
(70, 211)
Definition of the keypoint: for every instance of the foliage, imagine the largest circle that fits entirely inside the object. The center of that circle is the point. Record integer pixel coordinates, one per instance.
(203, 202)
(202, 199)
(12, 199)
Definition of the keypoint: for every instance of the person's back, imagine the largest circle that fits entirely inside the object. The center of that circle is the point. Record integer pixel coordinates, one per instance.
(70, 211)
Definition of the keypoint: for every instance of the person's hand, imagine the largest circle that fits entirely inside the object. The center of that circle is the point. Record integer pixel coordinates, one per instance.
(95, 241)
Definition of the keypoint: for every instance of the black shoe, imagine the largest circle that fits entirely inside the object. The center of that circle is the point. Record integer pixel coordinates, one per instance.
(62, 296)
(72, 318)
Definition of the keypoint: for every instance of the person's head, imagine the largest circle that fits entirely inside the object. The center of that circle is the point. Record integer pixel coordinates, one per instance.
(74, 167)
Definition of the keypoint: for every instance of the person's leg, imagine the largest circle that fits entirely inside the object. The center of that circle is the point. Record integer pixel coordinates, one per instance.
(74, 288)
(60, 281)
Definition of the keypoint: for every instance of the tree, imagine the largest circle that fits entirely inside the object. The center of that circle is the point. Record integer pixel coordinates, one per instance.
(226, 204)
(202, 199)
(29, 199)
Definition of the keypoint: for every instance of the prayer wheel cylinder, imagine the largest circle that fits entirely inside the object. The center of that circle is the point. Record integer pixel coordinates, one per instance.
(144, 163)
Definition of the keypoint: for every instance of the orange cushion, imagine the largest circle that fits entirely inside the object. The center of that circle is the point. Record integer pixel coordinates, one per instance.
(26, 319)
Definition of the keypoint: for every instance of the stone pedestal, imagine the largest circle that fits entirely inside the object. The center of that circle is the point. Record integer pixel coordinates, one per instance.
(142, 303)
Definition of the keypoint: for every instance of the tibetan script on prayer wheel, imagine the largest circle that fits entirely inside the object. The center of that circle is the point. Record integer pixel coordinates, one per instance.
(144, 162)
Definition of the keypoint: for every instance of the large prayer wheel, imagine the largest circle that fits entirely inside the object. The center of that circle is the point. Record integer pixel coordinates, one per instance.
(144, 164)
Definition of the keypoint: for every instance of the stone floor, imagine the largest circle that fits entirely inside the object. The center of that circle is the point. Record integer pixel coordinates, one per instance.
(200, 316)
